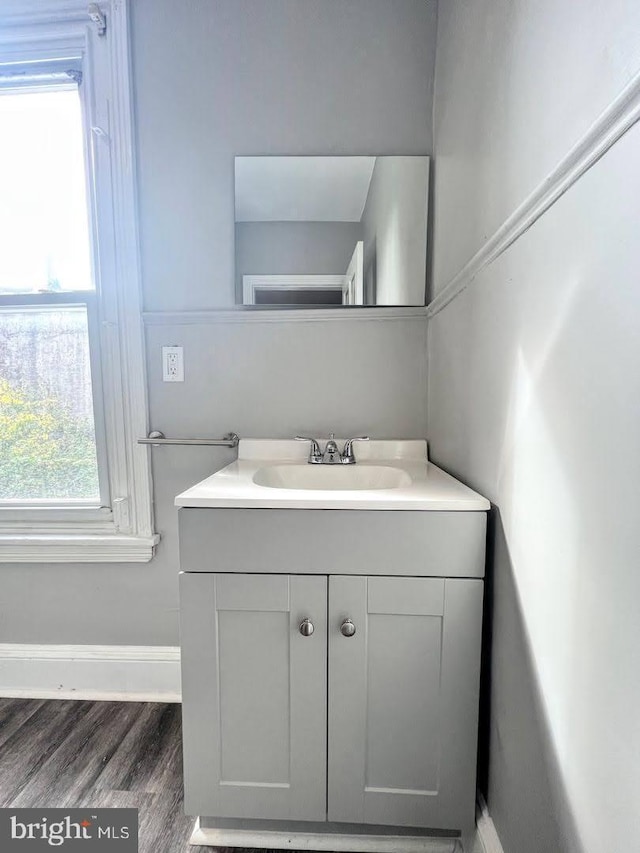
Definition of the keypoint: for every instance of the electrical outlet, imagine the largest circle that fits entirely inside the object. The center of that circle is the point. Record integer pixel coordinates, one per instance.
(172, 364)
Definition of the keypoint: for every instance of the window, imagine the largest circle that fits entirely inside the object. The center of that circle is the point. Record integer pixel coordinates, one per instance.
(49, 451)
(74, 485)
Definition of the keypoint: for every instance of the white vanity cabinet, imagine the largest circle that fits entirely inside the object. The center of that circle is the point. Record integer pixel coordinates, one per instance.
(331, 651)
(376, 727)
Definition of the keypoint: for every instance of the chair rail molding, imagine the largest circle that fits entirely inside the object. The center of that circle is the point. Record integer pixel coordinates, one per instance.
(610, 126)
(279, 315)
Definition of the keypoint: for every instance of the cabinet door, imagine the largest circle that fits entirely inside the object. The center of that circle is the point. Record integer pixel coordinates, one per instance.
(403, 700)
(254, 695)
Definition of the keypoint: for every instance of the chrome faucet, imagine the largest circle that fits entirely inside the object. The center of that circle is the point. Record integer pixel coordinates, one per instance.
(331, 455)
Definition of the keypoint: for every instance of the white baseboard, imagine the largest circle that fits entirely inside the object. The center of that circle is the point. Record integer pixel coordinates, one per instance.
(327, 841)
(107, 673)
(487, 835)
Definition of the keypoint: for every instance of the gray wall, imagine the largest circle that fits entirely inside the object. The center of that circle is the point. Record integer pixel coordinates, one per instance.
(394, 221)
(534, 371)
(220, 78)
(216, 78)
(293, 248)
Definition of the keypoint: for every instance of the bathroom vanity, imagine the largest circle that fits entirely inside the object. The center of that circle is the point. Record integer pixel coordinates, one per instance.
(330, 630)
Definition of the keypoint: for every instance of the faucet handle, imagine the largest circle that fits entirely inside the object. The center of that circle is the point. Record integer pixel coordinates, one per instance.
(331, 454)
(315, 454)
(348, 456)
(331, 446)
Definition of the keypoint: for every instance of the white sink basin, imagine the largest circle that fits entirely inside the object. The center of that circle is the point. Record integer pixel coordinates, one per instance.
(332, 477)
(389, 475)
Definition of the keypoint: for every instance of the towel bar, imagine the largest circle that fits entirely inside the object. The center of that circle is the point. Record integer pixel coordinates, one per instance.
(157, 438)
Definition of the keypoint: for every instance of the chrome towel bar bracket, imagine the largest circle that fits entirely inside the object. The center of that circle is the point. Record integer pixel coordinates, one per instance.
(156, 438)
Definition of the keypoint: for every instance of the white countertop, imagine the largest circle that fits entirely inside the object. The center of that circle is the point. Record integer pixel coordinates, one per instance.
(430, 489)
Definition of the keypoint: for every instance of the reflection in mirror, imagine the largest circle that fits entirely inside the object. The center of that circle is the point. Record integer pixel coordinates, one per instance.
(331, 231)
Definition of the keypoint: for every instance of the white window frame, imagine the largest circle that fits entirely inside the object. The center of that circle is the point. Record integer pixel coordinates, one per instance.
(123, 530)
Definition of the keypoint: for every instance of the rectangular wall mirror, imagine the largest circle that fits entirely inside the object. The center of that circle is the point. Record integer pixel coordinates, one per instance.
(319, 232)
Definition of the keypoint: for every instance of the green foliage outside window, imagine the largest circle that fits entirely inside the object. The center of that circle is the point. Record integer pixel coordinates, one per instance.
(45, 452)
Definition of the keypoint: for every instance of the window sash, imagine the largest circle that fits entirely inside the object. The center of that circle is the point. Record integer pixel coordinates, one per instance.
(39, 75)
(37, 508)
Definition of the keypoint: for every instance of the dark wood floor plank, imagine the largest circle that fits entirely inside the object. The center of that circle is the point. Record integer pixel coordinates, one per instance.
(100, 798)
(102, 755)
(29, 748)
(167, 778)
(135, 760)
(75, 766)
(14, 713)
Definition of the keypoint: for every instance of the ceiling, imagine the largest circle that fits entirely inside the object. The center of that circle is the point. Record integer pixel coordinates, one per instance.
(301, 189)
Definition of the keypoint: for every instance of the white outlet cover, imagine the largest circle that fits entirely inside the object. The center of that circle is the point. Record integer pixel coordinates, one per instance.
(172, 364)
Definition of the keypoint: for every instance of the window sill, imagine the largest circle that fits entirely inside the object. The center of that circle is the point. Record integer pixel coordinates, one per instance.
(67, 548)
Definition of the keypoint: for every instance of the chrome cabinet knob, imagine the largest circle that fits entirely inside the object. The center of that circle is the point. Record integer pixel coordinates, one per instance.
(347, 629)
(306, 627)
